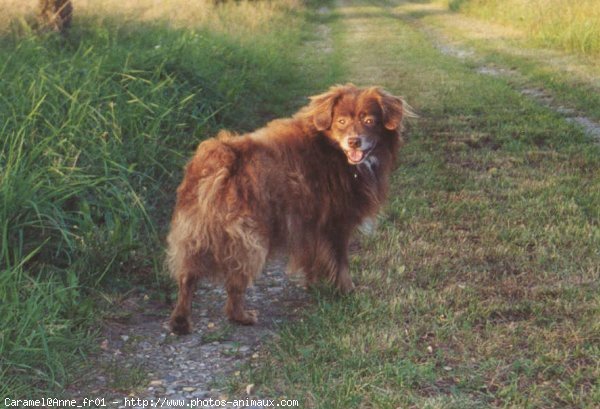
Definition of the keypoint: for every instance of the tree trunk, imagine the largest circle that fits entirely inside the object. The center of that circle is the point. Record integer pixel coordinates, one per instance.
(56, 14)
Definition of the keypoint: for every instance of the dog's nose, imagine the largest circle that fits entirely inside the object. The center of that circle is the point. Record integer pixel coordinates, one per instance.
(354, 142)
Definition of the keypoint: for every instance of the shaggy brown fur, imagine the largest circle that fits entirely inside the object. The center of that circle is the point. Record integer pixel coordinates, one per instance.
(303, 183)
(56, 14)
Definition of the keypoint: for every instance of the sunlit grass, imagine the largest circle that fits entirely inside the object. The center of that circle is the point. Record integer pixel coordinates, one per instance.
(570, 25)
(225, 16)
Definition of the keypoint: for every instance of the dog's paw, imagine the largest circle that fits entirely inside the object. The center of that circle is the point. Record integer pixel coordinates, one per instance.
(345, 285)
(246, 317)
(181, 325)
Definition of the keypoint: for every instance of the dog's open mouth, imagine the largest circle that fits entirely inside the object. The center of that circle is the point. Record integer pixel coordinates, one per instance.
(356, 156)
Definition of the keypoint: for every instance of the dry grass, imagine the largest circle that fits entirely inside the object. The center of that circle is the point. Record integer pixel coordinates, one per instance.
(15, 10)
(564, 24)
(231, 17)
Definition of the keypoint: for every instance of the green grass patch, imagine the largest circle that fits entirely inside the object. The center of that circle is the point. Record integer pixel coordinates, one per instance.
(95, 130)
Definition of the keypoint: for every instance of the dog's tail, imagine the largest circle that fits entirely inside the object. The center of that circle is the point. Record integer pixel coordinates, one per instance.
(198, 214)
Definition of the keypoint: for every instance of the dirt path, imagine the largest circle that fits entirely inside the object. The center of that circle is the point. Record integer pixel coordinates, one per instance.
(142, 360)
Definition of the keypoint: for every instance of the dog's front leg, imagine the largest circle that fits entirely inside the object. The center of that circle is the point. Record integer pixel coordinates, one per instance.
(341, 271)
(327, 259)
(180, 318)
(343, 281)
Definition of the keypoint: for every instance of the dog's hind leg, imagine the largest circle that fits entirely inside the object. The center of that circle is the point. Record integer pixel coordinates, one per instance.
(187, 264)
(236, 283)
(248, 253)
(235, 307)
(180, 318)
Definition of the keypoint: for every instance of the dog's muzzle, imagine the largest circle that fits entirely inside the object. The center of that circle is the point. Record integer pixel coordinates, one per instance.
(356, 149)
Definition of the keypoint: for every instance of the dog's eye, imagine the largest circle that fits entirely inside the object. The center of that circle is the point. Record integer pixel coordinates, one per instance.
(342, 121)
(368, 121)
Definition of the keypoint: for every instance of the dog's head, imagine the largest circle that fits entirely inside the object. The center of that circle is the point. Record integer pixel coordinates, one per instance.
(357, 119)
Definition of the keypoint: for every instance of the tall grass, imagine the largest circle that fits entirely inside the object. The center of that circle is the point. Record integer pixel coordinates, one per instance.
(564, 24)
(94, 130)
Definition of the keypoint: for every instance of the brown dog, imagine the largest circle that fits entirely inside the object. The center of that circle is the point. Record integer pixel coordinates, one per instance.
(304, 183)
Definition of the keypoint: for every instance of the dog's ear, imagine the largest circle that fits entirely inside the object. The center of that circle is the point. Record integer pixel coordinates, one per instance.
(321, 106)
(393, 108)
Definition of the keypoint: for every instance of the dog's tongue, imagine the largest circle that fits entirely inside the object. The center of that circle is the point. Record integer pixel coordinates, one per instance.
(355, 155)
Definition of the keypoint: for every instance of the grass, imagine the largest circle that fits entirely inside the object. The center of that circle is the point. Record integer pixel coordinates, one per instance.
(126, 378)
(218, 334)
(480, 287)
(570, 80)
(563, 24)
(95, 130)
